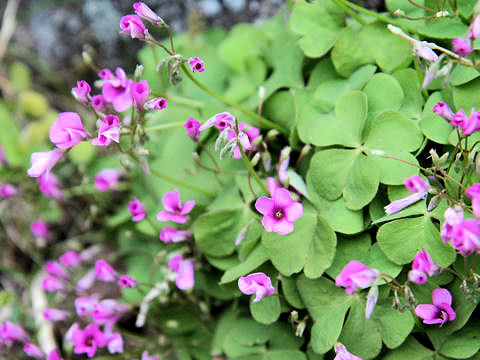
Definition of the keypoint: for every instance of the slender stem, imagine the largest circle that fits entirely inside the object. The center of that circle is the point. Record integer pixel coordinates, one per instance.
(170, 35)
(460, 276)
(391, 278)
(420, 77)
(421, 7)
(226, 101)
(181, 183)
(158, 43)
(204, 148)
(474, 262)
(350, 12)
(250, 168)
(450, 178)
(164, 126)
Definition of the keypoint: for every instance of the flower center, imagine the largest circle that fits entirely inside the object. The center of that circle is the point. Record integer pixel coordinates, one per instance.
(89, 341)
(278, 214)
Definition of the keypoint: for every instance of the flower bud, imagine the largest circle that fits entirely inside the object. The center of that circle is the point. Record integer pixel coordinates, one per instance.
(434, 202)
(372, 298)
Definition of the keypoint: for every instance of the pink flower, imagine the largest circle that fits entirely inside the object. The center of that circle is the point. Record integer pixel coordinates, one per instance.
(86, 281)
(472, 124)
(127, 282)
(356, 275)
(39, 229)
(70, 259)
(466, 236)
(139, 92)
(67, 131)
(50, 186)
(462, 46)
(107, 179)
(137, 209)
(174, 211)
(283, 164)
(196, 64)
(252, 133)
(88, 340)
(422, 267)
(193, 128)
(11, 332)
(343, 354)
(43, 162)
(106, 74)
(272, 185)
(416, 184)
(54, 269)
(441, 310)
(473, 192)
(33, 350)
(117, 91)
(424, 51)
(258, 284)
(142, 10)
(169, 234)
(99, 103)
(54, 355)
(442, 109)
(51, 314)
(224, 120)
(146, 356)
(104, 271)
(474, 29)
(115, 344)
(185, 271)
(107, 311)
(459, 118)
(109, 131)
(82, 92)
(453, 217)
(133, 26)
(419, 189)
(8, 190)
(53, 284)
(155, 104)
(280, 211)
(85, 305)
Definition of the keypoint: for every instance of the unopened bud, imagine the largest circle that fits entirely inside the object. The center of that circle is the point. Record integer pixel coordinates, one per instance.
(456, 166)
(293, 316)
(300, 328)
(435, 158)
(372, 298)
(267, 160)
(256, 158)
(305, 150)
(395, 30)
(442, 13)
(434, 202)
(195, 156)
(399, 12)
(87, 59)
(138, 72)
(244, 140)
(380, 153)
(261, 93)
(443, 159)
(271, 134)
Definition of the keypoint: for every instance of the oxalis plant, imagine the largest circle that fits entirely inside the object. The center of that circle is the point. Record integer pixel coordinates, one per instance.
(324, 163)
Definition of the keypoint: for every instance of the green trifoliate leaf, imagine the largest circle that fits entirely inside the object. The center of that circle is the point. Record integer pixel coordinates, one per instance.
(411, 349)
(256, 258)
(467, 96)
(413, 99)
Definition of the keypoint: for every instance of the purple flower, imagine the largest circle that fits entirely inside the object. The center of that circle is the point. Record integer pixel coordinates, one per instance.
(422, 267)
(86, 281)
(50, 186)
(474, 29)
(472, 123)
(453, 217)
(115, 344)
(54, 355)
(441, 310)
(139, 92)
(372, 298)
(442, 109)
(33, 350)
(53, 284)
(133, 26)
(43, 162)
(99, 103)
(88, 340)
(67, 131)
(137, 210)
(142, 10)
(416, 184)
(424, 51)
(356, 275)
(155, 104)
(107, 311)
(104, 271)
(51, 314)
(146, 356)
(109, 131)
(196, 64)
(174, 210)
(39, 229)
(8, 190)
(258, 284)
(106, 74)
(107, 179)
(459, 118)
(185, 271)
(11, 332)
(419, 189)
(462, 46)
(70, 259)
(117, 91)
(473, 192)
(466, 236)
(251, 132)
(343, 354)
(169, 234)
(82, 92)
(224, 120)
(85, 305)
(280, 211)
(54, 269)
(193, 128)
(127, 282)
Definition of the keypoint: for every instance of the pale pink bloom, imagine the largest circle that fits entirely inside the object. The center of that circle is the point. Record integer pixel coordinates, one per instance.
(462, 46)
(474, 29)
(106, 74)
(109, 131)
(142, 10)
(70, 258)
(280, 211)
(133, 26)
(53, 284)
(8, 190)
(466, 237)
(50, 186)
(11, 332)
(127, 282)
(442, 109)
(343, 354)
(82, 92)
(472, 123)
(85, 305)
(146, 356)
(51, 314)
(107, 311)
(473, 192)
(283, 165)
(196, 64)
(424, 51)
(86, 281)
(453, 217)
(54, 269)
(43, 162)
(252, 133)
(418, 188)
(67, 131)
(88, 340)
(256, 283)
(459, 118)
(54, 355)
(372, 298)
(193, 128)
(34, 351)
(39, 229)
(104, 271)
(441, 310)
(422, 267)
(139, 92)
(155, 104)
(174, 210)
(224, 120)
(117, 91)
(99, 103)
(137, 210)
(107, 179)
(169, 234)
(416, 184)
(185, 271)
(69, 334)
(356, 275)
(115, 344)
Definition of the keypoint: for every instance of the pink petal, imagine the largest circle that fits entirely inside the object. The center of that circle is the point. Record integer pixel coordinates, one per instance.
(187, 207)
(70, 120)
(268, 223)
(264, 205)
(171, 201)
(57, 134)
(441, 296)
(122, 101)
(294, 211)
(426, 311)
(283, 227)
(282, 197)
